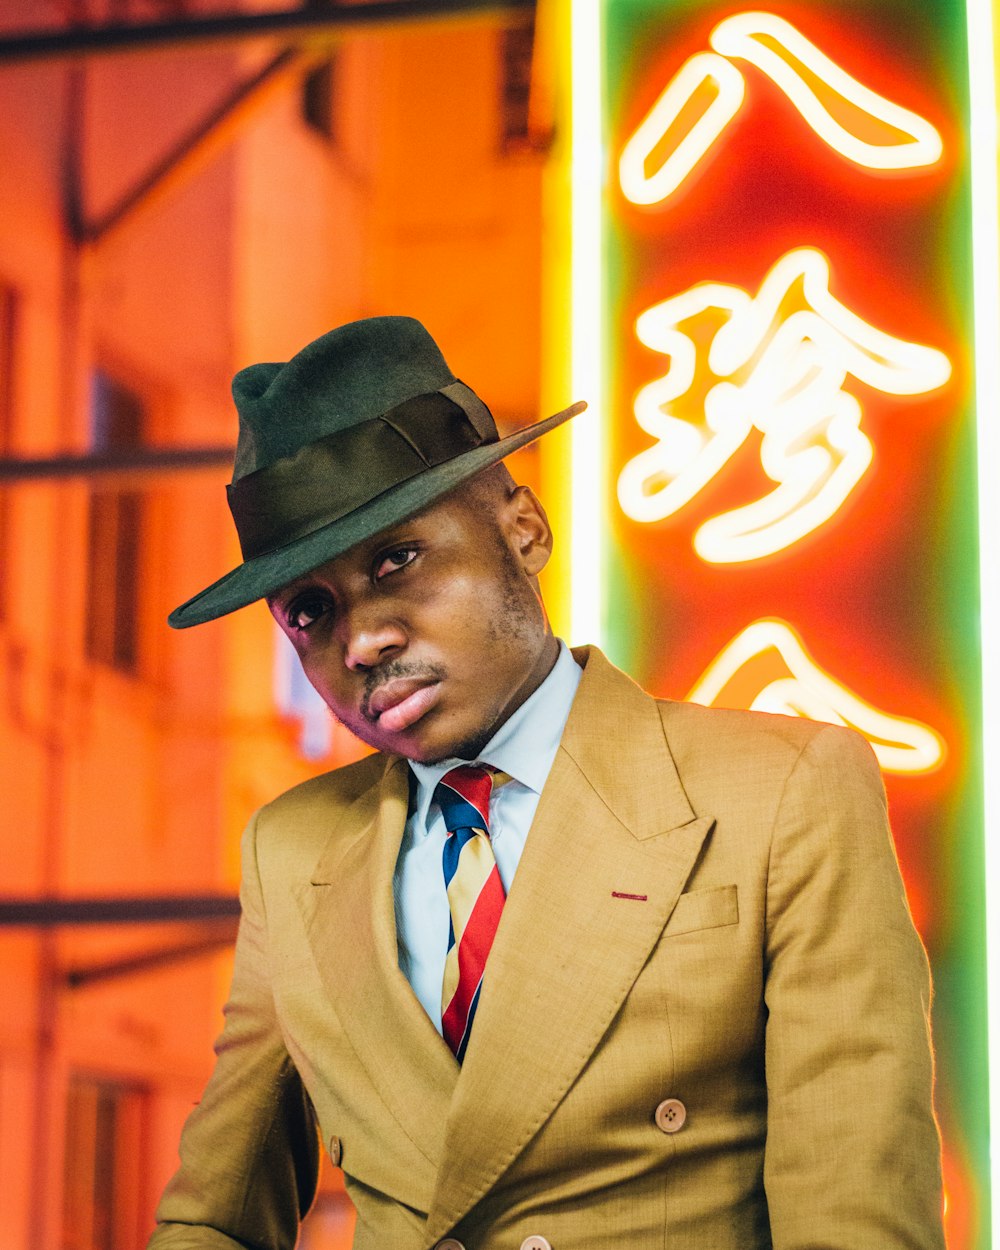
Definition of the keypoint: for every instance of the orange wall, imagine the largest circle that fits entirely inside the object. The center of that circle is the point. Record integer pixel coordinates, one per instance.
(120, 784)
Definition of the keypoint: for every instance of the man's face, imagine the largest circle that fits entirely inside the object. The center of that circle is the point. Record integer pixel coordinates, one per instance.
(425, 638)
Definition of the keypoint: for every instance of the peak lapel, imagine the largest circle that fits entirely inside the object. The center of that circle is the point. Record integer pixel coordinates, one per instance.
(348, 911)
(608, 822)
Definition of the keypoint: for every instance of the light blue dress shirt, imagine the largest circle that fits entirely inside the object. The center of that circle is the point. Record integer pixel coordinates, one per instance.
(524, 747)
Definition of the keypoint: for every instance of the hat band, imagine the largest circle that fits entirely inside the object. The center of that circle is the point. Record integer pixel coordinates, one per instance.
(331, 477)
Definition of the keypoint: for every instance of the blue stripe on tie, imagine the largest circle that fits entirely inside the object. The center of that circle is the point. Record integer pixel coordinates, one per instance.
(460, 1055)
(454, 844)
(458, 813)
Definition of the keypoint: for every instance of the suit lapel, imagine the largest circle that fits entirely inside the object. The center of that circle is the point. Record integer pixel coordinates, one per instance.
(609, 823)
(348, 910)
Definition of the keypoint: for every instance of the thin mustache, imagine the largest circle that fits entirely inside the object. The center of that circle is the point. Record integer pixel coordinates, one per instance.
(391, 671)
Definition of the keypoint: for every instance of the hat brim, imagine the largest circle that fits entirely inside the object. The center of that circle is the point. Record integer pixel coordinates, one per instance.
(263, 575)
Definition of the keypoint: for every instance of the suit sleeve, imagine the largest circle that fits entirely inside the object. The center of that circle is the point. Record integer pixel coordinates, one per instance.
(249, 1151)
(852, 1160)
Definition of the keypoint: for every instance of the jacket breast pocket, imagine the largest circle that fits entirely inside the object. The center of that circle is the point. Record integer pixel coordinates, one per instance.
(704, 909)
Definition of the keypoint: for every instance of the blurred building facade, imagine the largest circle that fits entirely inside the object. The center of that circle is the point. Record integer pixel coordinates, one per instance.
(392, 171)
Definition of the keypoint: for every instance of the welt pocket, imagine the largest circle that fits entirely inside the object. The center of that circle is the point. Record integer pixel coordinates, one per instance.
(704, 909)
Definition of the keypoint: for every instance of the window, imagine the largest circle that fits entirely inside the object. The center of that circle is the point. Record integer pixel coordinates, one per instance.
(318, 92)
(115, 532)
(8, 333)
(516, 49)
(319, 88)
(103, 1165)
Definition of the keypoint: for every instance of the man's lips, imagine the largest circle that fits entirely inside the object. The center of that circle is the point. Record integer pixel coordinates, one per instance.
(402, 701)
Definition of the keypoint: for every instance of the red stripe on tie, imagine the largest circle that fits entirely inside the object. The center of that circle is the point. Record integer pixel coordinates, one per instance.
(473, 950)
(463, 794)
(639, 898)
(475, 785)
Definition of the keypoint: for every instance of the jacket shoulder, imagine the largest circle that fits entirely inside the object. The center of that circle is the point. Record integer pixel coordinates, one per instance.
(732, 726)
(340, 786)
(295, 826)
(719, 747)
(716, 749)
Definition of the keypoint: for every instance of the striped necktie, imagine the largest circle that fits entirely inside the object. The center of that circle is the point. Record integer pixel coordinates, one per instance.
(475, 896)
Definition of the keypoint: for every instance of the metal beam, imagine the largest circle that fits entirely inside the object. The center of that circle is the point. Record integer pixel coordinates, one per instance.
(313, 24)
(47, 913)
(195, 149)
(146, 961)
(124, 464)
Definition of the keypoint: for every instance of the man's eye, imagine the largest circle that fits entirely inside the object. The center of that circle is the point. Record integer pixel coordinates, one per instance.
(305, 611)
(391, 561)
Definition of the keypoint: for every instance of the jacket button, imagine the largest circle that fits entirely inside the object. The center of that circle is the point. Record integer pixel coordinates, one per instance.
(449, 1243)
(335, 1151)
(535, 1243)
(670, 1115)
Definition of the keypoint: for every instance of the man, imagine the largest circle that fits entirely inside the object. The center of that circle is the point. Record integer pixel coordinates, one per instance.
(560, 966)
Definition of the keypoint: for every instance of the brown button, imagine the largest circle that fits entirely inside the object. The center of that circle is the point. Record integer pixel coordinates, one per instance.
(335, 1151)
(449, 1243)
(670, 1115)
(536, 1243)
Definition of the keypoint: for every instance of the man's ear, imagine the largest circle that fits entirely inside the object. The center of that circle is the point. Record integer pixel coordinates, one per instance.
(528, 530)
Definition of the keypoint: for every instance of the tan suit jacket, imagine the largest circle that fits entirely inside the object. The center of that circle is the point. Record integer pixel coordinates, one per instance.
(708, 910)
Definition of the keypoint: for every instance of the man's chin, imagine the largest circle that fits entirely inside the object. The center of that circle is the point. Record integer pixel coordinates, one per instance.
(466, 749)
(411, 745)
(429, 750)
(423, 742)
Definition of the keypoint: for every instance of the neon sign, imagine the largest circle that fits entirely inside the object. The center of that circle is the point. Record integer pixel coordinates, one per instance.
(767, 668)
(708, 90)
(719, 105)
(782, 358)
(776, 499)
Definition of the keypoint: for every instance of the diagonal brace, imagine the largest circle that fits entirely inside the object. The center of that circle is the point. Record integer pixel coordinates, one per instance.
(201, 144)
(37, 46)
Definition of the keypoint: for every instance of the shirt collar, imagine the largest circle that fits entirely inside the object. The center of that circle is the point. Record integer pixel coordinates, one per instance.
(524, 746)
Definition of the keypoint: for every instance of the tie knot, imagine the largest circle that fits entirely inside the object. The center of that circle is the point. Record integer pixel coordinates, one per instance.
(463, 795)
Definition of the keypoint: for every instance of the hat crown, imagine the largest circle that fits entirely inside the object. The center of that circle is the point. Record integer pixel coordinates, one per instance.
(363, 428)
(351, 375)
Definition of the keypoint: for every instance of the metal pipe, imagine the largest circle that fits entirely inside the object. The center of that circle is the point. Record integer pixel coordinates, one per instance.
(195, 149)
(324, 25)
(46, 913)
(124, 464)
(145, 961)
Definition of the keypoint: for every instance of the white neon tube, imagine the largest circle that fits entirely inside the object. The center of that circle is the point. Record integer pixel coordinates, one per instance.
(986, 306)
(586, 338)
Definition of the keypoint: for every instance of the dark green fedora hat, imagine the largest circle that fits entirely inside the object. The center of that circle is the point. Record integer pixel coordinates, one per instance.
(363, 428)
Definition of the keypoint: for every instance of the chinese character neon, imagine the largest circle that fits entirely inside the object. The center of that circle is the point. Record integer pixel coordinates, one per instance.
(720, 88)
(766, 668)
(777, 362)
(706, 93)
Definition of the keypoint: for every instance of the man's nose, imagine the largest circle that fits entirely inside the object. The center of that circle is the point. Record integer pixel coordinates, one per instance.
(372, 638)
